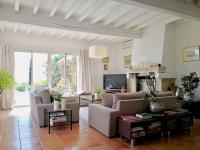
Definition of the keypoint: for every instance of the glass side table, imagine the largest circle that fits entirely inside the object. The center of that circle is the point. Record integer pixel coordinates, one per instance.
(58, 118)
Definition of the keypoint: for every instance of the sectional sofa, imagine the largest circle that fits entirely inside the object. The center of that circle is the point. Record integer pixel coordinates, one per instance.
(103, 117)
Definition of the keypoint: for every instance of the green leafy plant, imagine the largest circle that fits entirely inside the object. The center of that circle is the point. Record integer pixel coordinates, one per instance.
(58, 97)
(98, 91)
(21, 87)
(6, 81)
(40, 83)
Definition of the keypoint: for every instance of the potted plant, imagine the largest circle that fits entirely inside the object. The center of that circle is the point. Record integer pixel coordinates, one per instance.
(57, 101)
(6, 81)
(155, 105)
(190, 83)
(97, 93)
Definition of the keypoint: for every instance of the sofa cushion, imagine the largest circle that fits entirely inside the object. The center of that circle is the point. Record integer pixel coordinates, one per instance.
(45, 95)
(164, 93)
(107, 99)
(126, 96)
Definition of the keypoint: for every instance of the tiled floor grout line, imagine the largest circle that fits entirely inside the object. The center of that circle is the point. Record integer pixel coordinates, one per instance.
(37, 134)
(19, 135)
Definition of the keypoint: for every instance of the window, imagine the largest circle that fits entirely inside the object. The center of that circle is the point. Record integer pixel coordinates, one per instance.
(64, 73)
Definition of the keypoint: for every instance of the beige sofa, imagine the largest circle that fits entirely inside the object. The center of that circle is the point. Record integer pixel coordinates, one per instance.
(103, 117)
(40, 100)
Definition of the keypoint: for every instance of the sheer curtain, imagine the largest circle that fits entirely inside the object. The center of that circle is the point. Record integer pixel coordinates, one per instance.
(7, 64)
(84, 72)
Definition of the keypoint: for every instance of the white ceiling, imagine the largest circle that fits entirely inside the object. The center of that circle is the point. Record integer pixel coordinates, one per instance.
(104, 20)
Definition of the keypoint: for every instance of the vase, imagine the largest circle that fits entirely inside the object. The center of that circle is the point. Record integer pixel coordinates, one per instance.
(56, 105)
(188, 96)
(179, 93)
(96, 96)
(156, 107)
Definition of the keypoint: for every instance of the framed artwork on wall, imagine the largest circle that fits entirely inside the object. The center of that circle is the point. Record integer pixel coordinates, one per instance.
(105, 60)
(127, 61)
(190, 53)
(105, 67)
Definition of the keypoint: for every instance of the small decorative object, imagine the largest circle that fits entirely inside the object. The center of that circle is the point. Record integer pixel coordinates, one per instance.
(191, 53)
(57, 102)
(172, 87)
(105, 60)
(190, 83)
(97, 93)
(6, 81)
(127, 61)
(105, 67)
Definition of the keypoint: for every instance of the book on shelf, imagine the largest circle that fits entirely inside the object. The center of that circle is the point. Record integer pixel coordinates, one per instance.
(55, 120)
(137, 132)
(129, 118)
(144, 115)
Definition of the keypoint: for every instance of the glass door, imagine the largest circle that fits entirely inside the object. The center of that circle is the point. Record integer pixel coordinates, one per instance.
(22, 75)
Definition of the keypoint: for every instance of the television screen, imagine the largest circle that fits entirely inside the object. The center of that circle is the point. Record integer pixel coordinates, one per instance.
(114, 81)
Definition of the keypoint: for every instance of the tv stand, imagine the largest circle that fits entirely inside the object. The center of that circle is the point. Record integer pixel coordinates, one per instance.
(113, 90)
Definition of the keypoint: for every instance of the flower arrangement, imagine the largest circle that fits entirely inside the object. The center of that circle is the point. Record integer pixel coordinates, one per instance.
(150, 80)
(190, 83)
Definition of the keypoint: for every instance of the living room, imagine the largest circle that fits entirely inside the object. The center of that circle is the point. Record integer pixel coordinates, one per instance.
(140, 38)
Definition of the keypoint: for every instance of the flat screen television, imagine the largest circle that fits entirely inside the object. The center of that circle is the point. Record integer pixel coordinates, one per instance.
(114, 81)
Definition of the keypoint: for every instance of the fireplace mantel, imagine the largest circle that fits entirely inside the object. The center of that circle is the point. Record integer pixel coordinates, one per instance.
(161, 69)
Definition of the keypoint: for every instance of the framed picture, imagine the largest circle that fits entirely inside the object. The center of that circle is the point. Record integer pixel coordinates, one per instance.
(190, 53)
(105, 60)
(127, 61)
(105, 67)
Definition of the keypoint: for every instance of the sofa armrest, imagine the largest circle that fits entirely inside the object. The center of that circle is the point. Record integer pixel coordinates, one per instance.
(40, 108)
(131, 106)
(103, 119)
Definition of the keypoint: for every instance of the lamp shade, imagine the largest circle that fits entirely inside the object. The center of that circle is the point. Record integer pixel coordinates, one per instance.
(97, 51)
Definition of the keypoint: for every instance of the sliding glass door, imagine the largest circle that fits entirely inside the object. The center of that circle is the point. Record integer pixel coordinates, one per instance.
(32, 70)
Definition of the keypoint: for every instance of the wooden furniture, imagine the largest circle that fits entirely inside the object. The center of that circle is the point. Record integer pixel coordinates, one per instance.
(192, 106)
(59, 118)
(169, 124)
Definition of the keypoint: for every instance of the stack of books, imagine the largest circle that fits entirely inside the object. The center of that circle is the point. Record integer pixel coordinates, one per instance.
(154, 127)
(55, 121)
(144, 115)
(130, 118)
(137, 132)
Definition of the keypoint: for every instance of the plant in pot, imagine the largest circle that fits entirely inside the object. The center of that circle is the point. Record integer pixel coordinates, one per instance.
(155, 105)
(97, 93)
(57, 101)
(6, 81)
(189, 83)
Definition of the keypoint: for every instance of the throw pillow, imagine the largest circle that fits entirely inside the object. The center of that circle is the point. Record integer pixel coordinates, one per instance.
(45, 95)
(127, 96)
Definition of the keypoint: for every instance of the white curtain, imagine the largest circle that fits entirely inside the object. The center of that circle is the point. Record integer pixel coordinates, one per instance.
(7, 64)
(84, 72)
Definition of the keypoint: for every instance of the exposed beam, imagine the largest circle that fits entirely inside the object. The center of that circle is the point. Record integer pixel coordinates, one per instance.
(58, 22)
(36, 6)
(173, 7)
(28, 31)
(55, 7)
(141, 18)
(40, 32)
(2, 28)
(104, 12)
(117, 14)
(17, 5)
(91, 10)
(73, 9)
(127, 18)
(15, 29)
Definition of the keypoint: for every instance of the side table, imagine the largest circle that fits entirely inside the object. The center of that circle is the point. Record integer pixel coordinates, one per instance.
(59, 118)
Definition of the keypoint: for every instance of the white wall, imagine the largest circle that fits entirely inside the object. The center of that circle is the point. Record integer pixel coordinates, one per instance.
(186, 34)
(149, 49)
(24, 42)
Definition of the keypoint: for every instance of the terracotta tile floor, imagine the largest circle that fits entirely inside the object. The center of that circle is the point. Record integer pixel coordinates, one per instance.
(18, 131)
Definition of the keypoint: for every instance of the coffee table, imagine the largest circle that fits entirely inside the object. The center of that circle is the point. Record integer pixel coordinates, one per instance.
(58, 118)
